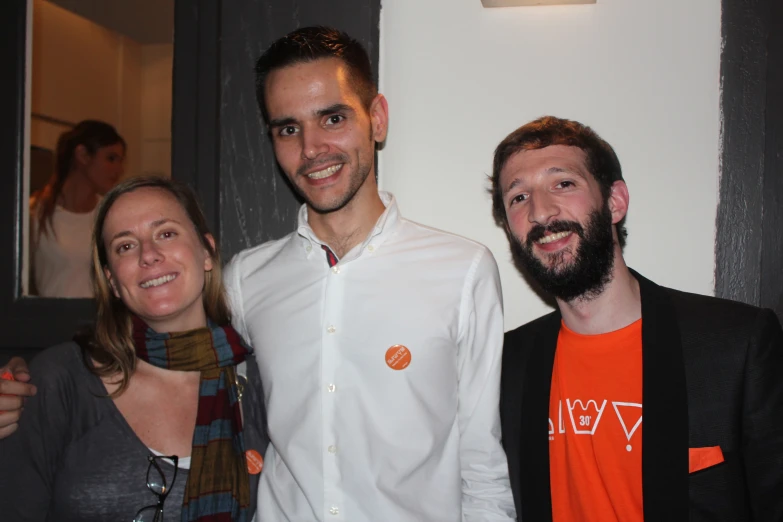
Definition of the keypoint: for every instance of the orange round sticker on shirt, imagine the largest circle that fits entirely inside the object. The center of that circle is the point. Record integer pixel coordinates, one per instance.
(255, 462)
(398, 357)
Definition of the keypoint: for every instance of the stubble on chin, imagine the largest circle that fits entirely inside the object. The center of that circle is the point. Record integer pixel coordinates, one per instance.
(342, 200)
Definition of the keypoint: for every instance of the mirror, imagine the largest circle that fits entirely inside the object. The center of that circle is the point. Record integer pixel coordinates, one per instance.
(109, 64)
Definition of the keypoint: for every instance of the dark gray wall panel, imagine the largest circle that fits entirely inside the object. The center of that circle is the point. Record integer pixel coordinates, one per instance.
(749, 235)
(256, 204)
(195, 103)
(772, 252)
(740, 210)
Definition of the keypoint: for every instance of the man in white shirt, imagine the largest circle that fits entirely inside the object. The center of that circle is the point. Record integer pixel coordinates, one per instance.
(379, 340)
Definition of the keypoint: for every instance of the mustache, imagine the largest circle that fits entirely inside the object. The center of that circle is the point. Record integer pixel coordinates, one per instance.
(314, 164)
(539, 231)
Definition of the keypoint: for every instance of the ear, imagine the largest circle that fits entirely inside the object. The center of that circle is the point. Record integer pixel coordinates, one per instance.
(208, 264)
(81, 154)
(618, 201)
(379, 118)
(110, 279)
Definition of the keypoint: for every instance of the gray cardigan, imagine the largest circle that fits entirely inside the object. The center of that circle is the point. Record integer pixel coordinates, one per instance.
(74, 457)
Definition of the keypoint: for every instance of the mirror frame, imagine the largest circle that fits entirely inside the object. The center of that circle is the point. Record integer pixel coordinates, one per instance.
(31, 323)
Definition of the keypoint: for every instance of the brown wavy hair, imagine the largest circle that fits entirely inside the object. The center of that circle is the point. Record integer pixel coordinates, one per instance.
(93, 135)
(110, 342)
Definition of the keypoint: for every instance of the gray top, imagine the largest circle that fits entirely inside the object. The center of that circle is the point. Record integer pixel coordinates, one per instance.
(75, 458)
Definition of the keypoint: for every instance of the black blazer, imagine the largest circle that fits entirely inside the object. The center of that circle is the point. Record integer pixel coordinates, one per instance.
(712, 376)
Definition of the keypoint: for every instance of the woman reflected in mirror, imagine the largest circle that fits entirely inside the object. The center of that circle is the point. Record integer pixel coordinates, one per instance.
(88, 162)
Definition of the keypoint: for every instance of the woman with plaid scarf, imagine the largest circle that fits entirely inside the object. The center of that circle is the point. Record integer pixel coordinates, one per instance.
(141, 418)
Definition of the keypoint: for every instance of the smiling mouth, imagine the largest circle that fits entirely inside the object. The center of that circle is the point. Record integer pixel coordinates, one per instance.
(553, 237)
(325, 173)
(162, 280)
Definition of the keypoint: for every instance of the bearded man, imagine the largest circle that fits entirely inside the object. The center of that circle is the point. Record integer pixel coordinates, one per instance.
(661, 405)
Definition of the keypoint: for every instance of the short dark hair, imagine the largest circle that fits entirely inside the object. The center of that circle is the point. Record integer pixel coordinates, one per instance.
(602, 162)
(314, 43)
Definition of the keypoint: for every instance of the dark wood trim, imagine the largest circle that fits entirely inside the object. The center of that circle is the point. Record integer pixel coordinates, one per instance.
(53, 121)
(196, 102)
(12, 89)
(743, 65)
(26, 322)
(772, 240)
(748, 243)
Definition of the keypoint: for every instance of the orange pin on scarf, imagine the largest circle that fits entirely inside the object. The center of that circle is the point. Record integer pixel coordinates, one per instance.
(255, 462)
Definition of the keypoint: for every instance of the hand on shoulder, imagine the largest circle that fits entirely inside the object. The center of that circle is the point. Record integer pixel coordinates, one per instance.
(14, 387)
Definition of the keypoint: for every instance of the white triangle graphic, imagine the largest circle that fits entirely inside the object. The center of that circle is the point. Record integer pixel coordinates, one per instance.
(628, 434)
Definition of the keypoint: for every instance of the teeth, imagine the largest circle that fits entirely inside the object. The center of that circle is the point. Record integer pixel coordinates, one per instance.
(321, 174)
(554, 237)
(159, 281)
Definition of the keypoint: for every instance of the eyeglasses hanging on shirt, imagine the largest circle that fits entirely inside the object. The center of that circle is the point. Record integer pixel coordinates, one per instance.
(157, 483)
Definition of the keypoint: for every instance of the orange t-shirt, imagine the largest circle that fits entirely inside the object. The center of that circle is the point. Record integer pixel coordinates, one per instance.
(595, 419)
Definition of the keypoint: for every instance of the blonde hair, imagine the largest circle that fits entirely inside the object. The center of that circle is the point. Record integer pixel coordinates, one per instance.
(110, 343)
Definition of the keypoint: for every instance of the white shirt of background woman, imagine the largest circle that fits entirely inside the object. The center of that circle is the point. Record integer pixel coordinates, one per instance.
(62, 258)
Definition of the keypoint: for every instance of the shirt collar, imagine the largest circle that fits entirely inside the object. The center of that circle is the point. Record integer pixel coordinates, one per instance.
(384, 227)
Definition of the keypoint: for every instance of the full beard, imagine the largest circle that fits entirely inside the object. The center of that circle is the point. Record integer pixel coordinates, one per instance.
(586, 276)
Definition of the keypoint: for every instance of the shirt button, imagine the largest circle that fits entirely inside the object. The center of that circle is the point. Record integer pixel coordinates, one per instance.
(309, 248)
(332, 449)
(334, 511)
(370, 248)
(331, 388)
(336, 269)
(331, 329)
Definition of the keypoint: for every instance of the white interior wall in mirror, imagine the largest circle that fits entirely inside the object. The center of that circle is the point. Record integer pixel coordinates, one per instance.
(82, 70)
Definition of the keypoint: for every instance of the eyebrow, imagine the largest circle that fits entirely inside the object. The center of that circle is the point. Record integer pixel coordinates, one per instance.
(154, 224)
(551, 170)
(337, 107)
(282, 122)
(320, 113)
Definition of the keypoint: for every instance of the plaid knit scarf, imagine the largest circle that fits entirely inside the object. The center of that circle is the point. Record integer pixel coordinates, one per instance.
(218, 488)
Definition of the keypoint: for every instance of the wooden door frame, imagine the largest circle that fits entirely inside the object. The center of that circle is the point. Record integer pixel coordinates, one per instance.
(749, 223)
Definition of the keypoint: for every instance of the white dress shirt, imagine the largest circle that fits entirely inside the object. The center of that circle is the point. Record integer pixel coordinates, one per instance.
(353, 438)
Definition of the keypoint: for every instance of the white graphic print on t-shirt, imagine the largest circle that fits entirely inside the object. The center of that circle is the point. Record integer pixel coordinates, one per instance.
(585, 417)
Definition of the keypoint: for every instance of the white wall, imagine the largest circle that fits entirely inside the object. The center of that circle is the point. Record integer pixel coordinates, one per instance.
(643, 73)
(80, 71)
(156, 104)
